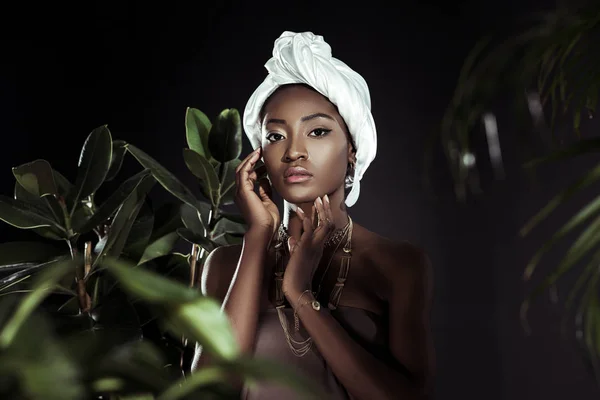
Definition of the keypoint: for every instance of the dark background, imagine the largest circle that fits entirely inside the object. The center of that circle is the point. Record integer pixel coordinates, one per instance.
(67, 69)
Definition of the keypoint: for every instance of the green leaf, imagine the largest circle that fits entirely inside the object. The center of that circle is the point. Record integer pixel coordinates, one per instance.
(197, 128)
(124, 219)
(192, 219)
(255, 369)
(56, 210)
(202, 169)
(36, 177)
(140, 232)
(119, 147)
(225, 138)
(194, 238)
(560, 198)
(238, 218)
(35, 203)
(63, 185)
(112, 204)
(41, 289)
(23, 216)
(228, 185)
(94, 162)
(20, 252)
(159, 247)
(164, 177)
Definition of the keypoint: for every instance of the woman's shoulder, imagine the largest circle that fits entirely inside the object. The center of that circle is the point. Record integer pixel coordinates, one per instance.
(392, 257)
(218, 270)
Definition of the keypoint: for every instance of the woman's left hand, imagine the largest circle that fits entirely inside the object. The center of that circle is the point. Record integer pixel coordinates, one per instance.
(306, 254)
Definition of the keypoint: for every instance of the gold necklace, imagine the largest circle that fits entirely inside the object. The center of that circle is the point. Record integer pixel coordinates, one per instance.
(304, 346)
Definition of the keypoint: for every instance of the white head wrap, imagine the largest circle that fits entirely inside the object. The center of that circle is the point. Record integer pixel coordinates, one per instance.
(306, 58)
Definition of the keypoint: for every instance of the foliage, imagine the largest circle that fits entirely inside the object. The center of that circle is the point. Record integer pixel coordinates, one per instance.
(110, 312)
(556, 65)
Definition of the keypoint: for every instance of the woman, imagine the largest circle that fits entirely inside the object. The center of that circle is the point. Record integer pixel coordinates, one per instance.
(319, 292)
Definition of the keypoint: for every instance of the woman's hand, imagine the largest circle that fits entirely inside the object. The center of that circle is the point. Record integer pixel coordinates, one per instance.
(259, 211)
(306, 254)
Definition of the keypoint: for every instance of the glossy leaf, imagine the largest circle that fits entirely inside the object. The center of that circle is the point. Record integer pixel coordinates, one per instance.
(140, 233)
(62, 184)
(124, 219)
(237, 218)
(167, 219)
(20, 252)
(41, 288)
(197, 128)
(159, 247)
(192, 219)
(112, 204)
(163, 176)
(227, 192)
(36, 177)
(194, 238)
(116, 162)
(202, 169)
(55, 209)
(94, 162)
(225, 138)
(34, 202)
(21, 215)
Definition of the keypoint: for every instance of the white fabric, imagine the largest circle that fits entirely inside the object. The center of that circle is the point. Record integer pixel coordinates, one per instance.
(306, 58)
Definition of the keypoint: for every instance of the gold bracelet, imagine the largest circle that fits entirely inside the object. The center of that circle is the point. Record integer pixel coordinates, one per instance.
(315, 305)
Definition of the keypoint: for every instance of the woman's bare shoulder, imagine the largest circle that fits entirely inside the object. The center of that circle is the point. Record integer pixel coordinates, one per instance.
(218, 270)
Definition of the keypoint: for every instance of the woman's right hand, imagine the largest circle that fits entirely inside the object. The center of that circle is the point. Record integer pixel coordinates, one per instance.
(259, 211)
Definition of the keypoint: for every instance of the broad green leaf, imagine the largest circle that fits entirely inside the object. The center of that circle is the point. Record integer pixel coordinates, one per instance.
(35, 203)
(581, 147)
(164, 177)
(116, 162)
(560, 198)
(36, 177)
(225, 226)
(63, 185)
(192, 219)
(41, 289)
(149, 286)
(167, 219)
(237, 218)
(55, 209)
(23, 216)
(202, 169)
(225, 138)
(200, 240)
(139, 235)
(197, 128)
(124, 219)
(50, 233)
(254, 369)
(112, 204)
(159, 247)
(20, 252)
(94, 162)
(228, 185)
(591, 209)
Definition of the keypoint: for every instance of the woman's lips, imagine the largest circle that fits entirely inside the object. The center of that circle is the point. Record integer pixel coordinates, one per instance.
(297, 178)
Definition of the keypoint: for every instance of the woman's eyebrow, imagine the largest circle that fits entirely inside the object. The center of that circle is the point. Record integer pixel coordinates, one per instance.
(303, 119)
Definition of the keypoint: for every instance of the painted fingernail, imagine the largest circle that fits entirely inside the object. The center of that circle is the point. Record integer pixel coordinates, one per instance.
(299, 210)
(320, 201)
(326, 197)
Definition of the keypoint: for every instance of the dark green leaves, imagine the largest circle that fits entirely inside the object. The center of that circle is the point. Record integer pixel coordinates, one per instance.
(94, 162)
(21, 215)
(203, 170)
(20, 252)
(36, 177)
(197, 128)
(163, 176)
(119, 148)
(225, 138)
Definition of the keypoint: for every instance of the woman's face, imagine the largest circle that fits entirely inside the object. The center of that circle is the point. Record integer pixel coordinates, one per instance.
(301, 128)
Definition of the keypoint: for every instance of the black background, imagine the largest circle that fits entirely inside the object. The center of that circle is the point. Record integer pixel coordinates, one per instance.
(68, 68)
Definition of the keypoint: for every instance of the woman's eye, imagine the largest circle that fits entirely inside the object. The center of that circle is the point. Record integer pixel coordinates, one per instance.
(273, 137)
(321, 132)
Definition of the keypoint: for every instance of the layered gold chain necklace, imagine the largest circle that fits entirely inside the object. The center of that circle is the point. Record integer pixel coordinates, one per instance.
(301, 348)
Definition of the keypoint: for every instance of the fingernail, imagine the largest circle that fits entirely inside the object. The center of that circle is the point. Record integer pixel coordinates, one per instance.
(299, 210)
(320, 201)
(326, 199)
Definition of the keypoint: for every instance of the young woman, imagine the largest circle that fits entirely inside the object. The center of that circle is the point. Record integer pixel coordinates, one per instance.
(314, 289)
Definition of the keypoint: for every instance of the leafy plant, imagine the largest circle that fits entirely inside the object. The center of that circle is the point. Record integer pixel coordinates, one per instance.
(105, 314)
(555, 70)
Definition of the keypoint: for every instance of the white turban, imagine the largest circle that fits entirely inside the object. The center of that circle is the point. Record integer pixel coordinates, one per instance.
(306, 58)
